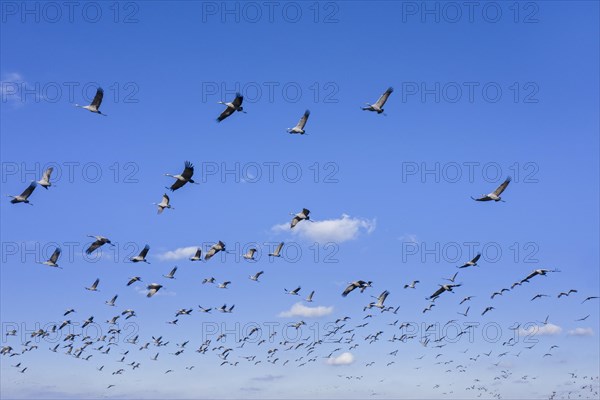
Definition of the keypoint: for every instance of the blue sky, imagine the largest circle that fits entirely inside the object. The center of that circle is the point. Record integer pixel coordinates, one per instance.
(475, 100)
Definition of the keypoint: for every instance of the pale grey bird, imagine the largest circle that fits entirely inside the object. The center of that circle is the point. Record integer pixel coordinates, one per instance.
(309, 297)
(152, 289)
(250, 255)
(142, 256)
(495, 195)
(96, 102)
(214, 249)
(256, 276)
(24, 197)
(277, 252)
(164, 203)
(171, 275)
(299, 128)
(45, 181)
(197, 256)
(53, 259)
(111, 302)
(301, 216)
(471, 263)
(94, 286)
(235, 105)
(378, 106)
(99, 242)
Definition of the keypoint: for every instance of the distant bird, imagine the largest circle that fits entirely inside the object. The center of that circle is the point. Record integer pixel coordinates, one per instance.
(378, 106)
(310, 296)
(299, 128)
(566, 293)
(442, 289)
(183, 311)
(224, 308)
(183, 178)
(277, 252)
(95, 105)
(538, 296)
(487, 309)
(250, 255)
(153, 288)
(171, 275)
(204, 310)
(293, 292)
(495, 195)
(45, 181)
(223, 285)
(94, 287)
(471, 263)
(197, 256)
(466, 312)
(134, 279)
(256, 276)
(380, 300)
(466, 299)
(589, 298)
(301, 216)
(111, 302)
(208, 280)
(582, 319)
(69, 311)
(99, 242)
(53, 259)
(453, 278)
(142, 256)
(542, 272)
(214, 249)
(24, 197)
(411, 285)
(235, 105)
(355, 285)
(163, 204)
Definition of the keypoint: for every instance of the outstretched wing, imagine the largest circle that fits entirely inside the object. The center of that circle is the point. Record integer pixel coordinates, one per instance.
(381, 101)
(226, 113)
(165, 200)
(188, 172)
(98, 98)
(95, 284)
(27, 192)
(55, 255)
(47, 173)
(238, 100)
(350, 288)
(476, 258)
(303, 120)
(502, 187)
(437, 293)
(94, 246)
(294, 222)
(144, 251)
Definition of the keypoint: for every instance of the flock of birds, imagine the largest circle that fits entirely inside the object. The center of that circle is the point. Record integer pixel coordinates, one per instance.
(343, 336)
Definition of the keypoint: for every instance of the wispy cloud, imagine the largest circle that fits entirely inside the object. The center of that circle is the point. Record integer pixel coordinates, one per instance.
(330, 230)
(267, 378)
(343, 359)
(300, 310)
(581, 332)
(177, 254)
(541, 330)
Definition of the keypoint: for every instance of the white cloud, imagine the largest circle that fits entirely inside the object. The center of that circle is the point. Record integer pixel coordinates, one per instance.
(330, 230)
(177, 254)
(342, 359)
(581, 332)
(541, 330)
(409, 238)
(300, 310)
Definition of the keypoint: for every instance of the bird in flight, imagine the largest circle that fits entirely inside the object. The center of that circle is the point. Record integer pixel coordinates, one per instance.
(301, 216)
(442, 289)
(362, 285)
(471, 263)
(495, 195)
(142, 256)
(378, 106)
(24, 197)
(53, 259)
(153, 288)
(411, 285)
(99, 242)
(197, 256)
(183, 178)
(95, 105)
(235, 105)
(277, 252)
(164, 203)
(94, 286)
(299, 128)
(45, 181)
